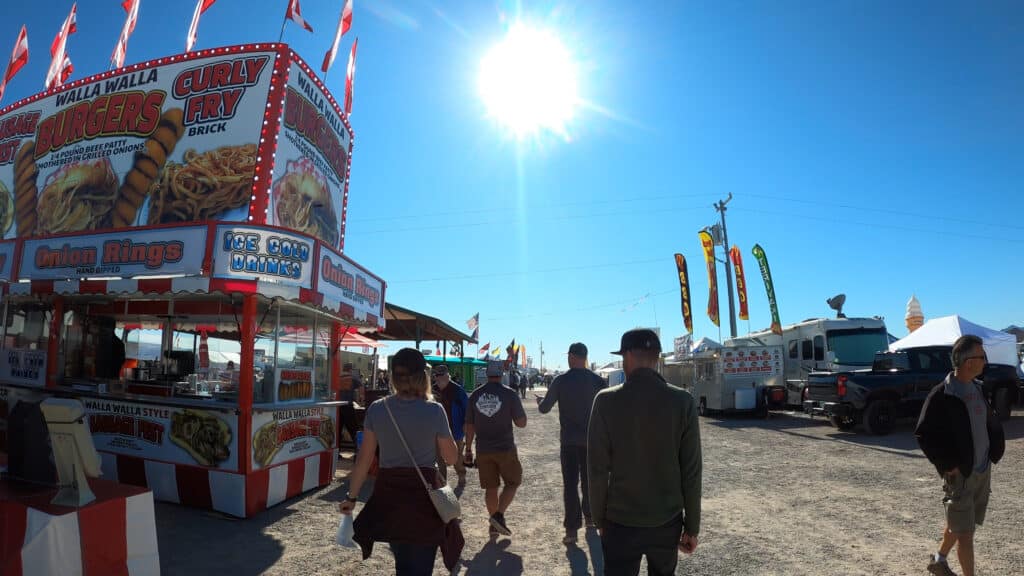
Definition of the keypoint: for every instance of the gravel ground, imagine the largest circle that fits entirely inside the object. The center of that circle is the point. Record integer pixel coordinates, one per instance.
(788, 495)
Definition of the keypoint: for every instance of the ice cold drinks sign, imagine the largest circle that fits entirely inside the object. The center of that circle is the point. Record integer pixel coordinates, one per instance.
(250, 252)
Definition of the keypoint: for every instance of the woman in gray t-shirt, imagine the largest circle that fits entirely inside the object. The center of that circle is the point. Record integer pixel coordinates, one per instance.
(399, 511)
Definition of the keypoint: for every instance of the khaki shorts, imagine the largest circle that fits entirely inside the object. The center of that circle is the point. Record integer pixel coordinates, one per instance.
(966, 500)
(495, 467)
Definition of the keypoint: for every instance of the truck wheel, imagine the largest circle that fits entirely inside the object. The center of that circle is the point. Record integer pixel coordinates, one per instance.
(844, 423)
(1002, 403)
(878, 418)
(702, 407)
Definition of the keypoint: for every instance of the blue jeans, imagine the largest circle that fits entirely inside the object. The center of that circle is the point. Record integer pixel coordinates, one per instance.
(574, 473)
(413, 559)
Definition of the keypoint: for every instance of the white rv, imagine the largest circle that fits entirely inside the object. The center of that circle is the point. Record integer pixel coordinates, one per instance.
(821, 345)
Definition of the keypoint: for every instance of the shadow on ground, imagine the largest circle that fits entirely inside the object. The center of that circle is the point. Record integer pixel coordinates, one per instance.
(494, 559)
(181, 531)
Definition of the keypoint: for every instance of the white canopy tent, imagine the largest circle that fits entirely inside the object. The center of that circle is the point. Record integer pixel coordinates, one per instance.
(705, 344)
(1000, 347)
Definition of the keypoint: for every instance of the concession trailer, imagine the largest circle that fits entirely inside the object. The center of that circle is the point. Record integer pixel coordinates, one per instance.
(172, 256)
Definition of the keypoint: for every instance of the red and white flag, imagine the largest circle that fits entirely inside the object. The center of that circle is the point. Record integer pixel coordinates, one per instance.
(60, 64)
(344, 23)
(193, 30)
(350, 77)
(294, 13)
(19, 57)
(121, 49)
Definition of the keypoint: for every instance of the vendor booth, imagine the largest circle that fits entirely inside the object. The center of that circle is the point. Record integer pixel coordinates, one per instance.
(173, 257)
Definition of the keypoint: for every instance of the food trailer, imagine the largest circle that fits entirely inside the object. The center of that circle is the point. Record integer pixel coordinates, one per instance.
(172, 257)
(738, 379)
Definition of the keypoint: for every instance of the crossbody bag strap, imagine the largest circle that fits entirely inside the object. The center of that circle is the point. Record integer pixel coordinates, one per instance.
(407, 450)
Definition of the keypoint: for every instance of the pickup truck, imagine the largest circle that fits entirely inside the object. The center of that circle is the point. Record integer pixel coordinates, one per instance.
(896, 386)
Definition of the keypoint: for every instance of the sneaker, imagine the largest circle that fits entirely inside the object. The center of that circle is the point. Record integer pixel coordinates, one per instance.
(492, 532)
(939, 567)
(498, 523)
(570, 537)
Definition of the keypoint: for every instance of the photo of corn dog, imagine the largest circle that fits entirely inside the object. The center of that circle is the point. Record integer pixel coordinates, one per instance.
(25, 191)
(146, 167)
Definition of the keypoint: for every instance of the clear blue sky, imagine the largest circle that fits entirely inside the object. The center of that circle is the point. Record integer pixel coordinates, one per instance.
(872, 148)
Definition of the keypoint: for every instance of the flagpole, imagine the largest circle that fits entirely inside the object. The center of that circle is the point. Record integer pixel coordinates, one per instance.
(280, 37)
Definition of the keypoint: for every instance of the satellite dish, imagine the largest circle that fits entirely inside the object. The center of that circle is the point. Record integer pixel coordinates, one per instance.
(836, 303)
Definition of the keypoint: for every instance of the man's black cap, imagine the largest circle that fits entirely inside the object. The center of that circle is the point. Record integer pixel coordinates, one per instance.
(639, 339)
(578, 349)
(410, 359)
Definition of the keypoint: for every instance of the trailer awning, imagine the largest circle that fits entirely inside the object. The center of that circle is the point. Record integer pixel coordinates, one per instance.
(408, 325)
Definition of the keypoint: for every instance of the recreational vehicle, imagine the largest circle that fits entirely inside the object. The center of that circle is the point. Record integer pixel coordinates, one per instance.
(820, 345)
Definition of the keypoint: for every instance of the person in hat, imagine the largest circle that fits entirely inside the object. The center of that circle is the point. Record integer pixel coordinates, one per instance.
(574, 393)
(493, 409)
(411, 430)
(645, 471)
(453, 398)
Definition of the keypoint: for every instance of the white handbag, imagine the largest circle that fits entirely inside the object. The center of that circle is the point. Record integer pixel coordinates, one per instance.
(444, 499)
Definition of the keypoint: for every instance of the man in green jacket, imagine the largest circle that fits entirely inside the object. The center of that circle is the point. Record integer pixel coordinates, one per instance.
(644, 460)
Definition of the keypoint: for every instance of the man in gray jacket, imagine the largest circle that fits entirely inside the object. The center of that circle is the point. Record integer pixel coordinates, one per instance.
(574, 392)
(645, 465)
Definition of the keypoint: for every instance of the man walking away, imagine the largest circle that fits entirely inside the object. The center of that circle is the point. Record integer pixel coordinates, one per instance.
(574, 393)
(644, 458)
(962, 437)
(453, 399)
(493, 409)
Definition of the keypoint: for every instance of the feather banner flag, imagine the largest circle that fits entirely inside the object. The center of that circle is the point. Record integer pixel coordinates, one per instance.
(709, 256)
(193, 30)
(769, 287)
(350, 78)
(19, 57)
(294, 13)
(684, 292)
(121, 48)
(60, 63)
(741, 281)
(344, 24)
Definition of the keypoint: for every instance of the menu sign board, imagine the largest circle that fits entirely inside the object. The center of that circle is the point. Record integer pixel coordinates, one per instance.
(311, 164)
(749, 362)
(173, 142)
(282, 435)
(359, 294)
(26, 367)
(126, 254)
(264, 254)
(198, 437)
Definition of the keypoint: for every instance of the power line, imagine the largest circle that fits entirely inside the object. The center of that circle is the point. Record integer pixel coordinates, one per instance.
(524, 272)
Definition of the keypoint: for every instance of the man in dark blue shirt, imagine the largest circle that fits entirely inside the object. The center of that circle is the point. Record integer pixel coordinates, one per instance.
(574, 392)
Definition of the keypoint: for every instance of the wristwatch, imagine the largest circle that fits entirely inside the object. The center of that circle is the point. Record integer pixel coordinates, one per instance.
(349, 498)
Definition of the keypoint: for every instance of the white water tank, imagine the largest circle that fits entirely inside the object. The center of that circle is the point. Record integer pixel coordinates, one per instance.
(746, 399)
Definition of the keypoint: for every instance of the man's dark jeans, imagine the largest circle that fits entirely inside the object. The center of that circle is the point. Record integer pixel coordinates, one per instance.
(413, 559)
(574, 470)
(623, 546)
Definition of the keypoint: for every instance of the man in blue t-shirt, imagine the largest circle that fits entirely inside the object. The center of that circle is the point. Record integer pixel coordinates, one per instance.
(453, 398)
(493, 409)
(574, 393)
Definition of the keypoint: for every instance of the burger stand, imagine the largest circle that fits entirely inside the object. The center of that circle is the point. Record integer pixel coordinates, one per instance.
(216, 184)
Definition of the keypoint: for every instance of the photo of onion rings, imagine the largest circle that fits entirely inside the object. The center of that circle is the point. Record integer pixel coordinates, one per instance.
(303, 202)
(77, 197)
(204, 185)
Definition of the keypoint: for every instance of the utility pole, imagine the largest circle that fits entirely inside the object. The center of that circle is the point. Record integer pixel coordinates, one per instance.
(541, 355)
(720, 206)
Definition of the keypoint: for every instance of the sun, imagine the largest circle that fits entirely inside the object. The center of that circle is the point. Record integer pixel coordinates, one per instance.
(528, 82)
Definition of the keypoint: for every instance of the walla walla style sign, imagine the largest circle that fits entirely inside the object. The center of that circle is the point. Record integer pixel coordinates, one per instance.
(282, 435)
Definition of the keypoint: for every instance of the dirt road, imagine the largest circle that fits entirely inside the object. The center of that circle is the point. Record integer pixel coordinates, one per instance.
(785, 496)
